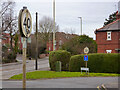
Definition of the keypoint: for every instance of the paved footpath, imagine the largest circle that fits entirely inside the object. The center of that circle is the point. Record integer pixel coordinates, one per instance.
(11, 69)
(81, 82)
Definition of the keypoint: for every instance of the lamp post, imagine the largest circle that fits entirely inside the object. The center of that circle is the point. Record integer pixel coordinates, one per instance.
(53, 25)
(81, 23)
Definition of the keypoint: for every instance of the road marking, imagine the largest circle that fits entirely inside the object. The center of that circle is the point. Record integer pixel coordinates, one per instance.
(98, 87)
(103, 86)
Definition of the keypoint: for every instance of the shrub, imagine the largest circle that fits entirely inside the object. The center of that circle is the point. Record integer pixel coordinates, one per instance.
(10, 57)
(77, 44)
(98, 63)
(5, 61)
(75, 63)
(111, 63)
(19, 51)
(60, 55)
(8, 61)
(95, 62)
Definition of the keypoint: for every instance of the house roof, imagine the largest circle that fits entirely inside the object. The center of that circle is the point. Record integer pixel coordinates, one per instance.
(114, 26)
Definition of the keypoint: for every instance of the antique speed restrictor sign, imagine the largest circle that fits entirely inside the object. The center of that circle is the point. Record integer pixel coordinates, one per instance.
(25, 27)
(25, 22)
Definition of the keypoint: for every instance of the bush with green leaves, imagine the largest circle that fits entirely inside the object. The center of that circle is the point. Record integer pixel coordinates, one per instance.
(75, 63)
(59, 55)
(97, 63)
(77, 44)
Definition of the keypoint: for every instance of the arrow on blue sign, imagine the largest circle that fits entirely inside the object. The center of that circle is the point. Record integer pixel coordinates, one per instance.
(86, 58)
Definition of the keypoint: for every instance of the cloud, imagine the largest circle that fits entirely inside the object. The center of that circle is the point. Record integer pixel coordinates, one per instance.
(66, 0)
(93, 13)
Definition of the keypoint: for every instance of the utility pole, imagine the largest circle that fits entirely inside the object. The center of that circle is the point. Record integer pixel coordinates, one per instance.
(81, 24)
(36, 40)
(53, 25)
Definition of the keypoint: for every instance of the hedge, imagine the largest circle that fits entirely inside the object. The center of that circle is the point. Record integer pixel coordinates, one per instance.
(59, 55)
(97, 63)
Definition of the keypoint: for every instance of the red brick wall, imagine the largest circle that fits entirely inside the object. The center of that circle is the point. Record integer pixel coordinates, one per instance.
(5, 41)
(6, 38)
(60, 36)
(50, 44)
(104, 44)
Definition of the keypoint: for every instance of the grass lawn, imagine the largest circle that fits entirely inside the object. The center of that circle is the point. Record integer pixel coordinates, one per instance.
(52, 74)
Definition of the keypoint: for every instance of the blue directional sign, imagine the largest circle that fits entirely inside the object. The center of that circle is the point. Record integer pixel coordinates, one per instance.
(86, 58)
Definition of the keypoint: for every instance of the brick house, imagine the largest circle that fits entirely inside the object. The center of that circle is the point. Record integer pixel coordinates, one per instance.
(6, 40)
(108, 37)
(61, 38)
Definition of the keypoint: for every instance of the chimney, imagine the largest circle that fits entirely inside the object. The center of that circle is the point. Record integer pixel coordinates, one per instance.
(118, 13)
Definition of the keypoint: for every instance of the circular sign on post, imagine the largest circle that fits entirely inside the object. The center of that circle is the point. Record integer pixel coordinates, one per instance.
(86, 50)
(25, 22)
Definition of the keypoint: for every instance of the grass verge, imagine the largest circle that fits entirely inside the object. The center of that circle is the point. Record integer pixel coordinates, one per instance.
(53, 74)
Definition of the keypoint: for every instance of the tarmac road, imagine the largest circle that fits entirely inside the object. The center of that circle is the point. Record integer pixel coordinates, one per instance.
(81, 82)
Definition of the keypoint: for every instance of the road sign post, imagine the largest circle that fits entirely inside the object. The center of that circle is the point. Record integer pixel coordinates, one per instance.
(24, 62)
(36, 66)
(25, 27)
(86, 51)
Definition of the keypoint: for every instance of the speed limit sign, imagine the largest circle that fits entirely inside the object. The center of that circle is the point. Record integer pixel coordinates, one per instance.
(25, 22)
(25, 27)
(86, 50)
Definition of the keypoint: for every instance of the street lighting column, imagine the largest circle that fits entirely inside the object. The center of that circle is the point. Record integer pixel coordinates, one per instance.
(54, 25)
(81, 24)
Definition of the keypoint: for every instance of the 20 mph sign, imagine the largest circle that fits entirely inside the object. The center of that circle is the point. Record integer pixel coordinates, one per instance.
(25, 22)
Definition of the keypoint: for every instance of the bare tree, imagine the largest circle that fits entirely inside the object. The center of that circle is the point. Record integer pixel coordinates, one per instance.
(46, 28)
(69, 30)
(9, 21)
(46, 25)
(5, 7)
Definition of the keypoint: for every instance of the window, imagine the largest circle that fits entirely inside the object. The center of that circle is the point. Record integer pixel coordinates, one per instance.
(108, 51)
(108, 35)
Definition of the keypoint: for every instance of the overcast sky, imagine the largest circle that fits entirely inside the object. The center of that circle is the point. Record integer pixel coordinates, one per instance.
(93, 13)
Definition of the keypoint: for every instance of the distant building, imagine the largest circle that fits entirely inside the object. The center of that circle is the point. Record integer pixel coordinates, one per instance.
(108, 37)
(61, 38)
(6, 40)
